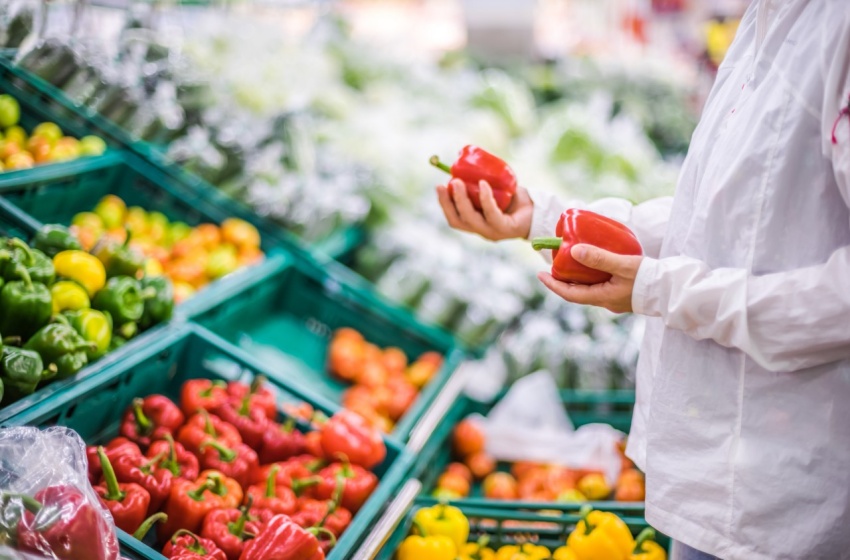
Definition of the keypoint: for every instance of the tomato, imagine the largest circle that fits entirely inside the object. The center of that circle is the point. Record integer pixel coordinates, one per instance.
(468, 438)
(500, 486)
(402, 395)
(460, 469)
(394, 360)
(480, 464)
(453, 482)
(371, 374)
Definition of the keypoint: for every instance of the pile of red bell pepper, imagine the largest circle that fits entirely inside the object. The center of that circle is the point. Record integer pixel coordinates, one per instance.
(229, 481)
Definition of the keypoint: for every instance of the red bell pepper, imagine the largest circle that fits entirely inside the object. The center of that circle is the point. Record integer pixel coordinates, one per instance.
(202, 394)
(150, 418)
(282, 539)
(229, 529)
(583, 226)
(313, 444)
(346, 436)
(128, 503)
(474, 165)
(296, 468)
(259, 395)
(60, 520)
(224, 487)
(280, 442)
(271, 496)
(147, 474)
(250, 422)
(116, 447)
(357, 484)
(175, 458)
(322, 513)
(187, 506)
(186, 545)
(238, 462)
(203, 426)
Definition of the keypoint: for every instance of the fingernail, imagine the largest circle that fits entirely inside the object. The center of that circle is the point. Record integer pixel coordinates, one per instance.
(578, 252)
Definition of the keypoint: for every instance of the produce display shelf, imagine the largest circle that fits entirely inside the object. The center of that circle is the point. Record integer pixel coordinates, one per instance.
(583, 407)
(52, 102)
(94, 406)
(285, 312)
(544, 524)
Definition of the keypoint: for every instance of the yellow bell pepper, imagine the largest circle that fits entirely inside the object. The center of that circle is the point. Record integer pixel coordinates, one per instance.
(646, 548)
(600, 535)
(443, 520)
(81, 267)
(437, 547)
(564, 553)
(526, 551)
(68, 296)
(477, 551)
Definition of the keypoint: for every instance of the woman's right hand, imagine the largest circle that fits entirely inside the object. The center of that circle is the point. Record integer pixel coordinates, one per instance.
(491, 223)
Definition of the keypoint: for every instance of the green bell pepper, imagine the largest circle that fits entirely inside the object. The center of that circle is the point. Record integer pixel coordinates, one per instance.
(117, 342)
(41, 268)
(160, 306)
(21, 371)
(120, 260)
(25, 307)
(18, 256)
(60, 345)
(54, 238)
(95, 327)
(123, 298)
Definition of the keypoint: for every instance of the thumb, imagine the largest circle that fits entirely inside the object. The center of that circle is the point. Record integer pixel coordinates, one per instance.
(600, 259)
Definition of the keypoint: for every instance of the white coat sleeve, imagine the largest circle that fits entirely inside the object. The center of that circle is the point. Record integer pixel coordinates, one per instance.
(647, 220)
(786, 321)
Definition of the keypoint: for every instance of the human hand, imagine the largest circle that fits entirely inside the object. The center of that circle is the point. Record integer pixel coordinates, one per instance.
(491, 223)
(615, 294)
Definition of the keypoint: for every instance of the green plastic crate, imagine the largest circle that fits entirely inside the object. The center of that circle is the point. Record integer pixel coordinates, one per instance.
(584, 407)
(542, 524)
(54, 105)
(285, 313)
(94, 406)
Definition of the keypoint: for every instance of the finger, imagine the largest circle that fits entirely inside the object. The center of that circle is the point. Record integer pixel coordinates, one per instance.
(465, 210)
(606, 261)
(575, 293)
(492, 213)
(448, 207)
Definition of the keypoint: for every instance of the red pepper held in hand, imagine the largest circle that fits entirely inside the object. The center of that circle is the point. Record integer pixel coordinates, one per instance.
(229, 529)
(583, 226)
(187, 506)
(151, 418)
(238, 462)
(186, 545)
(259, 395)
(60, 519)
(147, 474)
(202, 394)
(128, 503)
(115, 448)
(251, 423)
(282, 539)
(474, 165)
(271, 496)
(280, 442)
(203, 426)
(346, 436)
(175, 458)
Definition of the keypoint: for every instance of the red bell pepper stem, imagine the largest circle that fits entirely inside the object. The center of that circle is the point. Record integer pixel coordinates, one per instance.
(147, 524)
(238, 528)
(197, 548)
(271, 482)
(208, 425)
(647, 534)
(113, 491)
(30, 504)
(257, 384)
(208, 391)
(245, 407)
(316, 531)
(143, 423)
(224, 453)
(209, 484)
(540, 243)
(300, 484)
(435, 161)
(171, 463)
(146, 466)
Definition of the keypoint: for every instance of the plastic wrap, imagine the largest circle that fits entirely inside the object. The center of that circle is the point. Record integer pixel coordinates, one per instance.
(49, 509)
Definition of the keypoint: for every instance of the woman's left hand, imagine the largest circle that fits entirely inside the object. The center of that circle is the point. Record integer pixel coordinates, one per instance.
(615, 294)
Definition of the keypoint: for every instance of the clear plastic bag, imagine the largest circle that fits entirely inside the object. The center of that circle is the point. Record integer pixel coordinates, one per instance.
(530, 424)
(48, 508)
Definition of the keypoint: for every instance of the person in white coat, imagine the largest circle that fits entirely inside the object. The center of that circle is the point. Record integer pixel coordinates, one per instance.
(742, 420)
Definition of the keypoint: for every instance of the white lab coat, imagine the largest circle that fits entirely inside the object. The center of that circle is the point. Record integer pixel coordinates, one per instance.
(742, 422)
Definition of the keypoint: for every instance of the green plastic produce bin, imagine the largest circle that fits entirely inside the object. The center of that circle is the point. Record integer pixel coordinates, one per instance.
(545, 524)
(285, 313)
(584, 407)
(94, 406)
